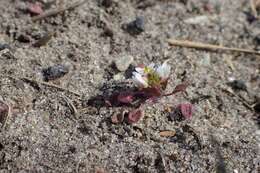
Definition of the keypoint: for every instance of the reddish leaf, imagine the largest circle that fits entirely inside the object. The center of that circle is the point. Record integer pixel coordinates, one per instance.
(135, 115)
(179, 88)
(152, 99)
(35, 8)
(118, 118)
(186, 109)
(154, 91)
(125, 97)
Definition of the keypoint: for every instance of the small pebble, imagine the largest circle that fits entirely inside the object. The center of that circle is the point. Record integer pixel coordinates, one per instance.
(167, 133)
(206, 60)
(137, 26)
(23, 38)
(108, 32)
(107, 3)
(123, 62)
(238, 85)
(235, 171)
(118, 77)
(257, 107)
(54, 72)
(197, 20)
(4, 46)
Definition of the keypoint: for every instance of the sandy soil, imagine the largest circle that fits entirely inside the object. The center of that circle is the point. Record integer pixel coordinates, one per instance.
(43, 134)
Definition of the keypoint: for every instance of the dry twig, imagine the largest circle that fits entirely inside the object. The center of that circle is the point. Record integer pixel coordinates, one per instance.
(71, 106)
(254, 5)
(253, 8)
(58, 10)
(198, 45)
(41, 83)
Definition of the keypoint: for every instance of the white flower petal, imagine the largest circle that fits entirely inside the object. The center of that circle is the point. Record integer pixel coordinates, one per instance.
(164, 70)
(139, 70)
(139, 80)
(151, 66)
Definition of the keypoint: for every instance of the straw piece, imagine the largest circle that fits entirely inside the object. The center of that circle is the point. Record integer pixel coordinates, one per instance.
(211, 47)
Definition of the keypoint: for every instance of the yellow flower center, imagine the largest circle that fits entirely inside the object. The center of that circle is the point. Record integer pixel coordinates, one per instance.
(152, 76)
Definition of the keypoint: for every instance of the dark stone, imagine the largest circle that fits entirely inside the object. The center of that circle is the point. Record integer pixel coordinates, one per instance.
(257, 107)
(54, 72)
(257, 40)
(107, 3)
(238, 85)
(250, 17)
(72, 149)
(4, 46)
(136, 27)
(1, 146)
(24, 38)
(108, 32)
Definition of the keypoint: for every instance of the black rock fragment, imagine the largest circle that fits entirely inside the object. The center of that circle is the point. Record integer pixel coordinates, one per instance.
(135, 27)
(257, 107)
(54, 72)
(107, 3)
(23, 38)
(238, 85)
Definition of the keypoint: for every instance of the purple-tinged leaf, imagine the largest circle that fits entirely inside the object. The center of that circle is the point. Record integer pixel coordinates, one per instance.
(179, 88)
(125, 97)
(135, 115)
(118, 118)
(154, 91)
(152, 100)
(186, 109)
(35, 8)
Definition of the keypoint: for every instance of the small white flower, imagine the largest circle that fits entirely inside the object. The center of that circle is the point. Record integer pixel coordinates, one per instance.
(152, 66)
(151, 75)
(140, 80)
(164, 70)
(139, 70)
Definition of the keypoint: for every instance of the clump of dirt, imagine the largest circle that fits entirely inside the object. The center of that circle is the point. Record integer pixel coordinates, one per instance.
(52, 128)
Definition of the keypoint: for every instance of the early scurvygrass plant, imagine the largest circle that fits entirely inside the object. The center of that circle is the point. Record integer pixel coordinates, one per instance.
(151, 82)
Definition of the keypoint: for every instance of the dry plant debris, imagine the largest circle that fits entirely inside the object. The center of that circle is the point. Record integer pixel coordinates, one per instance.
(167, 133)
(211, 47)
(58, 10)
